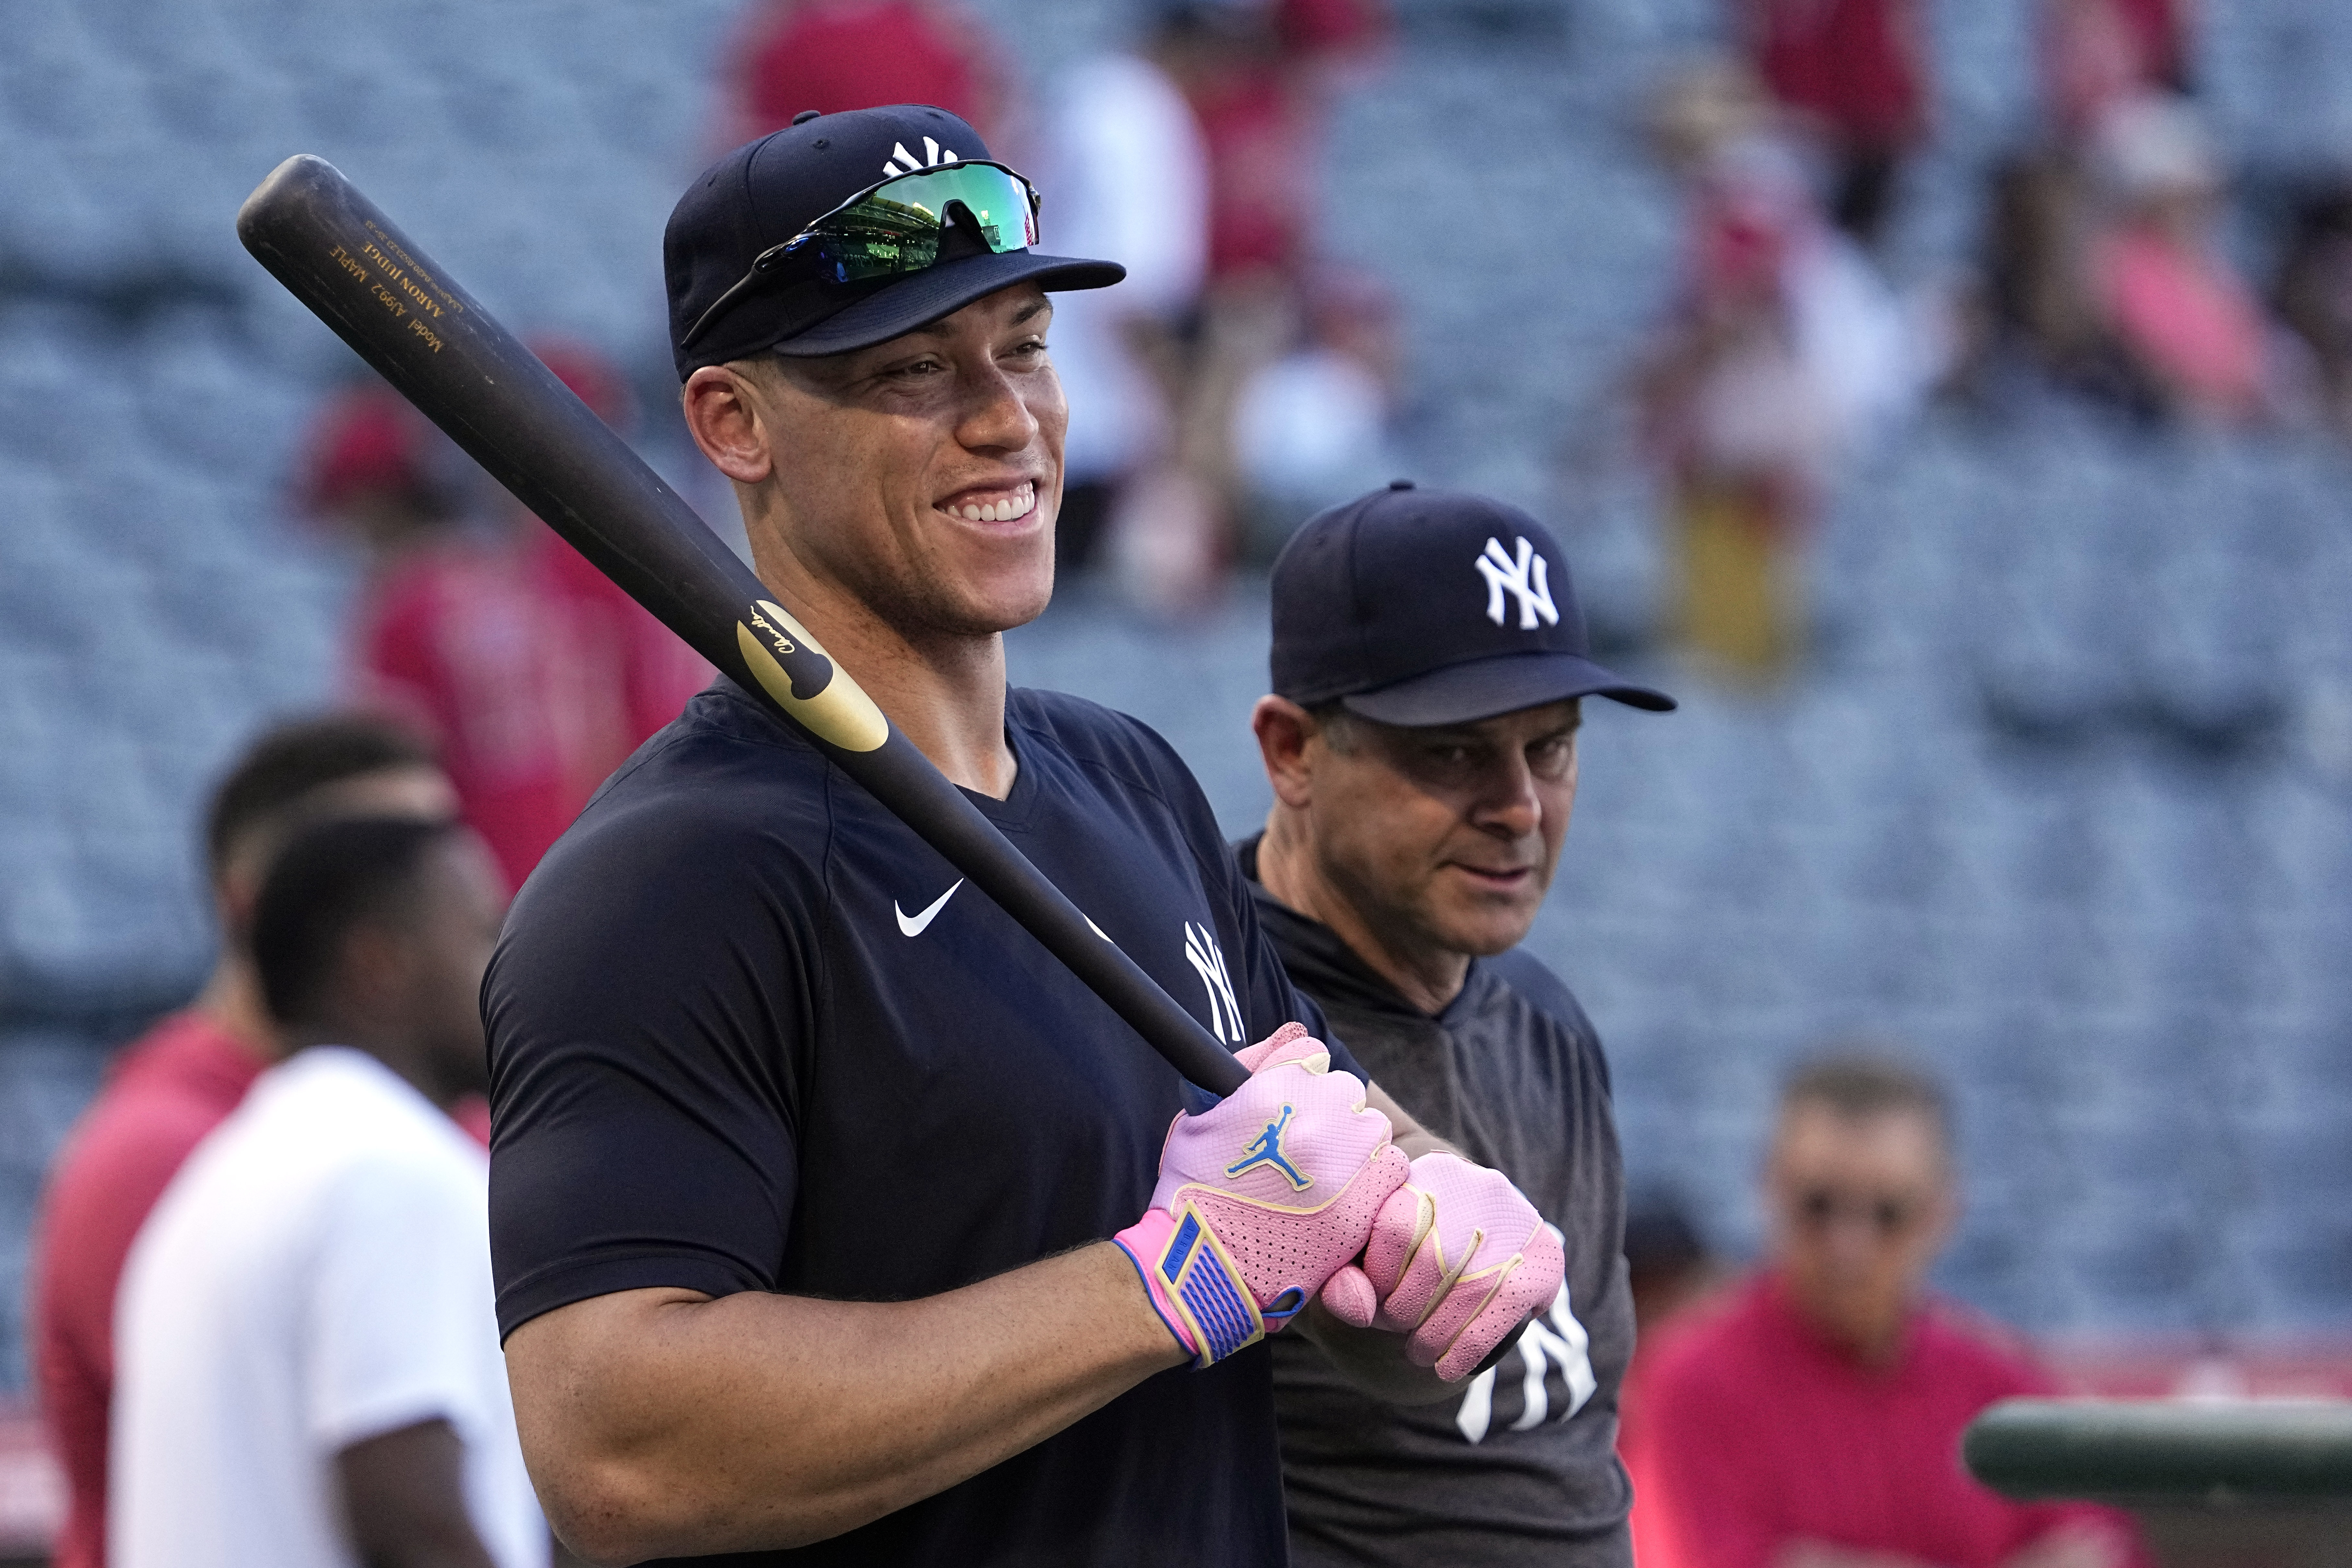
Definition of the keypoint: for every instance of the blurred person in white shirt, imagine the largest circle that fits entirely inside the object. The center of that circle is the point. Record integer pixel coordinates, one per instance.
(1128, 178)
(309, 1363)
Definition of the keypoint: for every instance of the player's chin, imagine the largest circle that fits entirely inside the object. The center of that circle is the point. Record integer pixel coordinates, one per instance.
(1483, 926)
(1000, 590)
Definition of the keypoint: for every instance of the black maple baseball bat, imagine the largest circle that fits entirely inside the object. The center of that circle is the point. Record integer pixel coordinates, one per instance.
(339, 255)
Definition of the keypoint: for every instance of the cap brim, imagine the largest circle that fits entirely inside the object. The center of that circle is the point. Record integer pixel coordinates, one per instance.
(921, 298)
(1462, 693)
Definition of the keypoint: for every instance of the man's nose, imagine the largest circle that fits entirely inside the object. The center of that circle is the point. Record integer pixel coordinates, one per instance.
(1507, 802)
(996, 418)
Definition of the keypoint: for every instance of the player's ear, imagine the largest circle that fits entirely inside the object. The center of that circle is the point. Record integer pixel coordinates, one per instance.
(1283, 729)
(728, 414)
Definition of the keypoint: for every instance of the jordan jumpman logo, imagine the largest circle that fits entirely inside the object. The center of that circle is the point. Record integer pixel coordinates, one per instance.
(1265, 1149)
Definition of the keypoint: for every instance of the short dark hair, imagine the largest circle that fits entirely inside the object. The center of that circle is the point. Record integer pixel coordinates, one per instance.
(292, 761)
(1342, 727)
(1856, 1084)
(332, 878)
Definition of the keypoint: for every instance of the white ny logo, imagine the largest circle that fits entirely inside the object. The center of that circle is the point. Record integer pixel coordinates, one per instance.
(1560, 1342)
(1502, 571)
(1209, 962)
(902, 162)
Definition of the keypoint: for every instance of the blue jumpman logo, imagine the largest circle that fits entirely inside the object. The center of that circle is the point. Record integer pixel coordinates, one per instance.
(1265, 1149)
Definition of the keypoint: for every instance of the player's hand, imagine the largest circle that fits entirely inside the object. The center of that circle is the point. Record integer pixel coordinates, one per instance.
(1262, 1198)
(1457, 1260)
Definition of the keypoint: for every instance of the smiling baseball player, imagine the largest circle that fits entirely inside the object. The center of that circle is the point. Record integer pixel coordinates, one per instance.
(833, 1220)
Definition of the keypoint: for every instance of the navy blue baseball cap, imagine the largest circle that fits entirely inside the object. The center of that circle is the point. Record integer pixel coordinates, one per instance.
(733, 293)
(1413, 606)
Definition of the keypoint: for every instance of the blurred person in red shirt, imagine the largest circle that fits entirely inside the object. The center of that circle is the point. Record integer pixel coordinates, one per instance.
(177, 1082)
(533, 676)
(1259, 75)
(2176, 307)
(1815, 1420)
(634, 673)
(1854, 73)
(832, 55)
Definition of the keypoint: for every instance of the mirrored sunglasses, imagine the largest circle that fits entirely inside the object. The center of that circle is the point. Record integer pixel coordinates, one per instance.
(894, 228)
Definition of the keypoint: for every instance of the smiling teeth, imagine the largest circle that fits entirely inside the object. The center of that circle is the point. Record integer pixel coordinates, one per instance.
(1002, 511)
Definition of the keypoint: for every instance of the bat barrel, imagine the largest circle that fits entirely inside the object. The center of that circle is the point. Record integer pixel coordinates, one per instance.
(343, 258)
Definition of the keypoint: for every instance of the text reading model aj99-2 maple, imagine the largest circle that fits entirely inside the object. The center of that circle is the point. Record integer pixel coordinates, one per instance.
(341, 256)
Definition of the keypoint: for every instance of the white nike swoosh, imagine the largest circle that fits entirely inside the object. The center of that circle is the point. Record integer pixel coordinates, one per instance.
(914, 925)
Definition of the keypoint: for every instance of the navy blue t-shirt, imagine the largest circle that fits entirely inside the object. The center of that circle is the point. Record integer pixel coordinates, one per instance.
(748, 1034)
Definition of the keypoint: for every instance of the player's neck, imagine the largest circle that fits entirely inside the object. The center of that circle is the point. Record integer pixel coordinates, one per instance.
(409, 1059)
(231, 1001)
(1427, 978)
(945, 691)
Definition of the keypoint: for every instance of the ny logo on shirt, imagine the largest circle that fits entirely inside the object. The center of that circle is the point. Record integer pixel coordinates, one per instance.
(1555, 1377)
(1525, 576)
(1208, 961)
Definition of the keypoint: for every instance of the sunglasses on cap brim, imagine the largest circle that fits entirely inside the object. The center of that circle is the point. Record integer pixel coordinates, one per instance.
(893, 227)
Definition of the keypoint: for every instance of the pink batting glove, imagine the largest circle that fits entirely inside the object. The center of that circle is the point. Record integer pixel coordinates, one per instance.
(1458, 1260)
(1261, 1197)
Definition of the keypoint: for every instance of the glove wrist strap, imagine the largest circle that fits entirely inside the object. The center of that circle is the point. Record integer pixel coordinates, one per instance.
(1193, 1283)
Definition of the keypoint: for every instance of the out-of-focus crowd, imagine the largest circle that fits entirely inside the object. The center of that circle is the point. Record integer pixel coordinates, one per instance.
(2102, 272)
(1240, 379)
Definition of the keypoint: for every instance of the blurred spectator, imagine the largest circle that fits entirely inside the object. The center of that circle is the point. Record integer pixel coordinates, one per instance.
(1259, 76)
(535, 678)
(2037, 279)
(1785, 352)
(1310, 430)
(2051, 263)
(177, 1083)
(2173, 302)
(635, 674)
(832, 55)
(1855, 75)
(2096, 53)
(2313, 296)
(1670, 1271)
(1667, 1265)
(1864, 1384)
(1125, 176)
(311, 1371)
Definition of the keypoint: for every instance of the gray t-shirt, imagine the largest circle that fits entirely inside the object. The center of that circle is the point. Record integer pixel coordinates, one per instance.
(1521, 1467)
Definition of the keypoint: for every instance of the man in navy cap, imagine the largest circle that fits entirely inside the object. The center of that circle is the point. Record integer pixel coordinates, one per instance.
(833, 1220)
(1429, 664)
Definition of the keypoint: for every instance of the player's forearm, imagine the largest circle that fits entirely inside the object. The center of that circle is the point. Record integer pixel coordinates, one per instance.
(662, 1423)
(1408, 1134)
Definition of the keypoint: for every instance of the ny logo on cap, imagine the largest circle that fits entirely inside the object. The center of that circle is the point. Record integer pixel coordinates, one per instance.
(901, 162)
(1528, 579)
